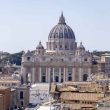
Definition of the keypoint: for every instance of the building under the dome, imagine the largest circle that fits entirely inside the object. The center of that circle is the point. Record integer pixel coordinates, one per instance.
(62, 60)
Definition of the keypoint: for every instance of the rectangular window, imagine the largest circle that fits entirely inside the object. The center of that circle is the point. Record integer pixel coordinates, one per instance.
(22, 103)
(21, 94)
(70, 78)
(43, 78)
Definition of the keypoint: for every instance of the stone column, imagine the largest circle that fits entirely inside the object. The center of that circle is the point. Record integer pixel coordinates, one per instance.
(40, 74)
(89, 71)
(64, 79)
(73, 74)
(33, 75)
(49, 76)
(59, 75)
(80, 74)
(24, 75)
(52, 46)
(53, 75)
(49, 46)
(46, 74)
(66, 74)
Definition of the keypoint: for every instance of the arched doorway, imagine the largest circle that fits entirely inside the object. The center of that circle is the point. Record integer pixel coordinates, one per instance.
(56, 79)
(43, 79)
(85, 76)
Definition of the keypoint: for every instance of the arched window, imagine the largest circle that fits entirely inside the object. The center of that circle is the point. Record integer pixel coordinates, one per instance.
(85, 76)
(28, 58)
(69, 73)
(70, 78)
(61, 77)
(43, 72)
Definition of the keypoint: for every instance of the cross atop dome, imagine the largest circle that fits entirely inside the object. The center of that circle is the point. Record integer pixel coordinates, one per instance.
(62, 19)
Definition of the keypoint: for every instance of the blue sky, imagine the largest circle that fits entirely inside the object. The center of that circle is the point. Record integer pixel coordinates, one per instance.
(23, 23)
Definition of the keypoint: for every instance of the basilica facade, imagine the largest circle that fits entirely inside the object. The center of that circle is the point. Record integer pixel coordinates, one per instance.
(62, 60)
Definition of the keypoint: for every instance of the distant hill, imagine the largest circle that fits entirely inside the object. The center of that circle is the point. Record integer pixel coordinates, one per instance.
(13, 58)
(16, 58)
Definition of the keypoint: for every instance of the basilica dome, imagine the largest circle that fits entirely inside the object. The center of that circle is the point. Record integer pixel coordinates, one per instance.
(62, 30)
(61, 38)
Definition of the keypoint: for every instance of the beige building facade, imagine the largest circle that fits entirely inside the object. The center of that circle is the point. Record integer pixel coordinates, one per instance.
(14, 94)
(6, 97)
(104, 64)
(9, 81)
(62, 60)
(20, 97)
(1, 102)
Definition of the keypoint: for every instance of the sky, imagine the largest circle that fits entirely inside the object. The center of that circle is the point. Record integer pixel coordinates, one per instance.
(23, 23)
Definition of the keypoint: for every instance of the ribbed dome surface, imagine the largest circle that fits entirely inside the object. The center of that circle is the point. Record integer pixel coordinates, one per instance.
(62, 30)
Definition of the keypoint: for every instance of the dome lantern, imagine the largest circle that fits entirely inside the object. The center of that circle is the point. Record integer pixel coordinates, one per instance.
(62, 19)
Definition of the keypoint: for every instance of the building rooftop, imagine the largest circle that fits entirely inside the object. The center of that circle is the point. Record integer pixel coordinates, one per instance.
(82, 96)
(9, 81)
(79, 106)
(106, 54)
(4, 87)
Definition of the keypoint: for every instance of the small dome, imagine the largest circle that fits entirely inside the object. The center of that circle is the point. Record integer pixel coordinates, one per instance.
(81, 46)
(40, 46)
(62, 30)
